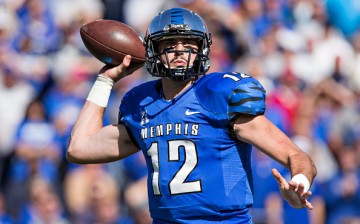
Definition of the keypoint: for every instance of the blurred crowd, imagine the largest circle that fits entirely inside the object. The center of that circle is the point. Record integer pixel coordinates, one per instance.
(306, 53)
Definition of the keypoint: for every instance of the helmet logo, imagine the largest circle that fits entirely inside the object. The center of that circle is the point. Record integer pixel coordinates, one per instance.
(172, 27)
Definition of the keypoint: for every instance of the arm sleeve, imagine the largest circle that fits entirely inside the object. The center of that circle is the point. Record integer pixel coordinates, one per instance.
(247, 98)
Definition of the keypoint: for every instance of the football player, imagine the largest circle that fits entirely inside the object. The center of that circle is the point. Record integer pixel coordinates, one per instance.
(195, 129)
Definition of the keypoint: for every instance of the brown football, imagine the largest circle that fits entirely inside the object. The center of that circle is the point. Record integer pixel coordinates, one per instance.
(109, 41)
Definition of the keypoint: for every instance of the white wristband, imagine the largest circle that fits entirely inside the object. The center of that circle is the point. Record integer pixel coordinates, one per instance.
(300, 178)
(100, 92)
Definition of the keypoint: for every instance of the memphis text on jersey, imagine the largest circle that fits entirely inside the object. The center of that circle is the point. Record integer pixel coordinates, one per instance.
(170, 129)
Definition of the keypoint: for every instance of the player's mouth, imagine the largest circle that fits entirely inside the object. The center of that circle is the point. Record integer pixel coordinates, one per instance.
(179, 63)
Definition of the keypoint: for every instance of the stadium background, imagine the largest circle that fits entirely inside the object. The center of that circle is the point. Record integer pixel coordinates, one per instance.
(306, 53)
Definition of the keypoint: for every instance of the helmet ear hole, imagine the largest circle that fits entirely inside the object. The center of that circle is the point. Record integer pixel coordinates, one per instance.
(156, 46)
(177, 23)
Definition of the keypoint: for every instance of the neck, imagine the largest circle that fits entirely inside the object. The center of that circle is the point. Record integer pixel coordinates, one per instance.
(172, 88)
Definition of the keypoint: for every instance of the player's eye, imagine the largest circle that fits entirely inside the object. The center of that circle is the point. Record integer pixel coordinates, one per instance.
(173, 44)
(191, 47)
(169, 44)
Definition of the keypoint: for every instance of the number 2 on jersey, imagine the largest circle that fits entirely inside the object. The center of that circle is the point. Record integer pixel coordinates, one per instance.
(178, 184)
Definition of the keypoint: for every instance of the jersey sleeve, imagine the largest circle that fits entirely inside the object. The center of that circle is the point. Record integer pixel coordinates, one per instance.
(248, 97)
(131, 107)
(123, 118)
(123, 108)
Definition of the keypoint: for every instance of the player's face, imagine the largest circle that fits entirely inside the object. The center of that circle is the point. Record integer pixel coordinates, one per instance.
(178, 58)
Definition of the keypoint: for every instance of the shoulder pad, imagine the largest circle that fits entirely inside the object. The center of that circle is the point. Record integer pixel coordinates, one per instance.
(247, 98)
(231, 93)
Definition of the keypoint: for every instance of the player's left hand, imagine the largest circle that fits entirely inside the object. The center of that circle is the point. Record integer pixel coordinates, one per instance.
(292, 192)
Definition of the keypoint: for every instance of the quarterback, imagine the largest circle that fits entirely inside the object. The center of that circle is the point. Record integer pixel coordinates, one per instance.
(195, 129)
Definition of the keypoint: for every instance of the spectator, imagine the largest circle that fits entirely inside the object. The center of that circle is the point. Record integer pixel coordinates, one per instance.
(37, 31)
(44, 205)
(4, 216)
(12, 89)
(37, 153)
(137, 201)
(342, 192)
(91, 194)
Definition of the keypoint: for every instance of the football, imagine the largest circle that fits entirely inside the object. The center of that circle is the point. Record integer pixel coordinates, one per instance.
(109, 41)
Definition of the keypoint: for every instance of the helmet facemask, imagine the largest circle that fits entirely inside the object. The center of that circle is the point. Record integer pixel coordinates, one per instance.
(161, 68)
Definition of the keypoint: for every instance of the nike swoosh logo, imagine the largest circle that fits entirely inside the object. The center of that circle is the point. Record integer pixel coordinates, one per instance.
(188, 112)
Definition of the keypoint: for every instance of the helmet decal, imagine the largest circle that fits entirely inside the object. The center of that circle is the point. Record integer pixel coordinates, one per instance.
(177, 16)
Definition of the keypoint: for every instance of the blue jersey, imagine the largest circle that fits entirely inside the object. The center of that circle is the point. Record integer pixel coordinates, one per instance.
(197, 170)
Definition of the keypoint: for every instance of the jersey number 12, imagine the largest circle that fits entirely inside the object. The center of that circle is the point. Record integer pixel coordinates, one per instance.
(178, 184)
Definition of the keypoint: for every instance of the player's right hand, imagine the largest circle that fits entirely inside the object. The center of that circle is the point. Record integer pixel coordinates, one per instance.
(120, 71)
